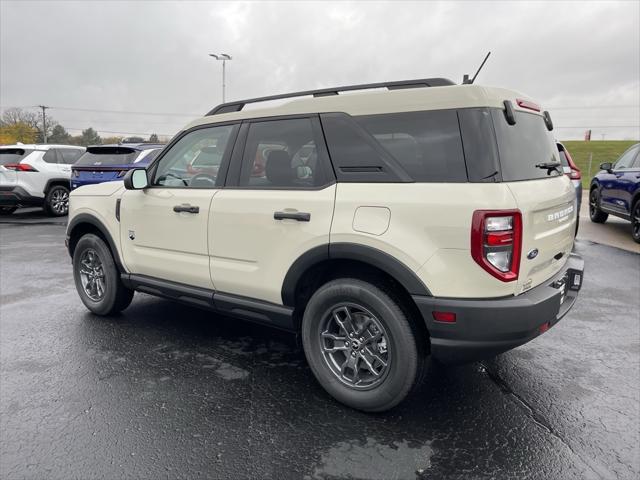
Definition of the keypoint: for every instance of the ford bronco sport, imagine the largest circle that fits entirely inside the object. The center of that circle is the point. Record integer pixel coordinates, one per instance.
(381, 226)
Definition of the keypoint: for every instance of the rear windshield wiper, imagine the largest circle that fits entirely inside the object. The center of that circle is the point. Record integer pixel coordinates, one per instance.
(550, 167)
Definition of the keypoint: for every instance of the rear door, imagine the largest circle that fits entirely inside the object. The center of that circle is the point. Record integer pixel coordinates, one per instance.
(164, 228)
(546, 197)
(277, 204)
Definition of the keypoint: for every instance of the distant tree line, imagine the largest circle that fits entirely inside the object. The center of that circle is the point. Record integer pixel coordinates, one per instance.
(18, 125)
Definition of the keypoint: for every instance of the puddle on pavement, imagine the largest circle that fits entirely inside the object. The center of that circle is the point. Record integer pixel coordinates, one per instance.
(372, 460)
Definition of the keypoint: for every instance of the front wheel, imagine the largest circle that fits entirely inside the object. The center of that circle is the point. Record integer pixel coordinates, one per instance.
(360, 345)
(97, 278)
(635, 222)
(596, 215)
(56, 202)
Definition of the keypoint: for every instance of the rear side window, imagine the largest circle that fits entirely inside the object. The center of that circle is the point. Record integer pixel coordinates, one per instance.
(13, 155)
(100, 156)
(69, 156)
(426, 144)
(282, 154)
(523, 146)
(50, 156)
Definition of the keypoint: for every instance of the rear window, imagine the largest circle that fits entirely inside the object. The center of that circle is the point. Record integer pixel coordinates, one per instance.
(12, 155)
(107, 156)
(426, 144)
(523, 146)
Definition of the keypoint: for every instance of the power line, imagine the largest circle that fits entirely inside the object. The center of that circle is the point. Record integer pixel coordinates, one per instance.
(161, 114)
(600, 126)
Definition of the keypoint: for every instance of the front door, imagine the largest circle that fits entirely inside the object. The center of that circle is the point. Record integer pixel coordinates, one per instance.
(277, 205)
(164, 227)
(615, 186)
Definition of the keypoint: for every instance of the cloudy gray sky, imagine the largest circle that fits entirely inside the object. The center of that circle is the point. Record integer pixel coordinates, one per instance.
(580, 59)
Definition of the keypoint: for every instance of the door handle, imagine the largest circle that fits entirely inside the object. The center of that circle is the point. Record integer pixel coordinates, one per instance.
(185, 207)
(299, 216)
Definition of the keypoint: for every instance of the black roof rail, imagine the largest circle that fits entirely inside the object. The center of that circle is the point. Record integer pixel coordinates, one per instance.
(324, 92)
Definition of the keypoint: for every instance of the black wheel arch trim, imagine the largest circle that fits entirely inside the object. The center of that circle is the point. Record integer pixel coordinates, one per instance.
(57, 181)
(85, 218)
(351, 251)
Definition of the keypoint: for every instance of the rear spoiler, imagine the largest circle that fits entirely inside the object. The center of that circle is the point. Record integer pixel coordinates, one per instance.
(101, 150)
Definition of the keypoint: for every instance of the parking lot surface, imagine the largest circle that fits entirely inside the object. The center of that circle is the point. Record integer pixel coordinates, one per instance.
(169, 391)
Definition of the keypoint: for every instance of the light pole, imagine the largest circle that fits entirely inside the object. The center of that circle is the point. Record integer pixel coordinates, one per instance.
(224, 57)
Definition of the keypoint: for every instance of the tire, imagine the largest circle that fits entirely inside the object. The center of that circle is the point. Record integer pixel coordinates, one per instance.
(56, 201)
(106, 295)
(635, 221)
(7, 210)
(389, 336)
(596, 215)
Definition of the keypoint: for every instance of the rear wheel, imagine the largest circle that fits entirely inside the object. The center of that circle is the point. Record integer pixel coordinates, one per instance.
(7, 210)
(635, 221)
(56, 202)
(596, 215)
(97, 278)
(360, 345)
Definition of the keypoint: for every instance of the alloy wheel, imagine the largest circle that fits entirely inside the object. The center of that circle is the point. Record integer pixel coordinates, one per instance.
(60, 201)
(635, 221)
(92, 275)
(593, 203)
(355, 346)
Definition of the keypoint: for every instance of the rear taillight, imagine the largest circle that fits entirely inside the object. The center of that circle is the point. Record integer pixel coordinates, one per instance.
(496, 242)
(575, 174)
(20, 167)
(575, 171)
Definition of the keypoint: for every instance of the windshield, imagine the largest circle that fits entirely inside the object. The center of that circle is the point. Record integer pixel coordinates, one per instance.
(96, 157)
(523, 146)
(12, 155)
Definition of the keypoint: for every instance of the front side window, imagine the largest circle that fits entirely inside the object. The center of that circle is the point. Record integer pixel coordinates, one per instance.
(626, 160)
(281, 154)
(195, 159)
(426, 144)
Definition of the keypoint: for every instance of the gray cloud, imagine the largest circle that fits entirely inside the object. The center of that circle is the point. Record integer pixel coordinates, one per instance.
(152, 56)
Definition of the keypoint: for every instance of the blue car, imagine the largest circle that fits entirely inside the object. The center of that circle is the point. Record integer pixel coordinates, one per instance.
(106, 163)
(615, 190)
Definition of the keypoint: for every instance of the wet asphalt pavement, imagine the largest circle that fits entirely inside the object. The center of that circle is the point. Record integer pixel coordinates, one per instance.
(168, 391)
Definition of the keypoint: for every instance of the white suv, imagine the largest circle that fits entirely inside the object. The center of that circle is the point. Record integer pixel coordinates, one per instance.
(382, 227)
(36, 175)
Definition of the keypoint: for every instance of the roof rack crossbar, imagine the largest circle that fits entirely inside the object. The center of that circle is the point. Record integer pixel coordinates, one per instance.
(325, 92)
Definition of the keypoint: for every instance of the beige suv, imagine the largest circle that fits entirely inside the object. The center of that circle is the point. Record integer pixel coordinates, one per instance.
(415, 219)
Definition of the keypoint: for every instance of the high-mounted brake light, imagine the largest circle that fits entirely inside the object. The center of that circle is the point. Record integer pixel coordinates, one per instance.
(20, 167)
(528, 105)
(496, 242)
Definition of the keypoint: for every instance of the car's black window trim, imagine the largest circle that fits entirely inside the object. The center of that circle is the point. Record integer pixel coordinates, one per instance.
(152, 168)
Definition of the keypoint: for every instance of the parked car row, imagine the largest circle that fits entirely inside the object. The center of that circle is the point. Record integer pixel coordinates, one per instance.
(43, 175)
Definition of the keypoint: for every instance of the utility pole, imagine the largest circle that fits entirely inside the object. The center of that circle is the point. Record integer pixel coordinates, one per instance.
(44, 122)
(224, 57)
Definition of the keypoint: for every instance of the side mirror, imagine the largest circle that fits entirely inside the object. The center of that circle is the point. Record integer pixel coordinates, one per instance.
(606, 166)
(136, 179)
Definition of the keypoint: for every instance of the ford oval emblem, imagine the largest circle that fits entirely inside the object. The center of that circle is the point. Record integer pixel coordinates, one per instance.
(532, 254)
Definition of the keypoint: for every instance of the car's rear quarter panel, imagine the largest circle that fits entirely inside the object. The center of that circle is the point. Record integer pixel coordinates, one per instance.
(429, 230)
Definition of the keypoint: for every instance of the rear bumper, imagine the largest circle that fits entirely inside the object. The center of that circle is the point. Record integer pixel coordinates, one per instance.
(484, 328)
(18, 197)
